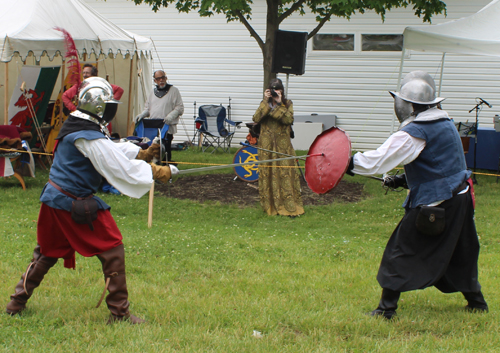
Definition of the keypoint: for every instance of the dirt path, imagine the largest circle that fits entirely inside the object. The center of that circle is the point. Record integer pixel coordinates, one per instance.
(225, 189)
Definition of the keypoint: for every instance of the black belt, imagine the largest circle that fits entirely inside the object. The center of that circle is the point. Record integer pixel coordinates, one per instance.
(460, 188)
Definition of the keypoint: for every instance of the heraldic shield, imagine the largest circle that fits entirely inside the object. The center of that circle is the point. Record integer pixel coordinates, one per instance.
(324, 173)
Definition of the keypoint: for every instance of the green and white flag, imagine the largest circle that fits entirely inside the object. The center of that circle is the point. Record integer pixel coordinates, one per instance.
(31, 97)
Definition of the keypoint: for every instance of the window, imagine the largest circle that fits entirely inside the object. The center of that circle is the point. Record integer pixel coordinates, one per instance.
(337, 42)
(381, 42)
(358, 43)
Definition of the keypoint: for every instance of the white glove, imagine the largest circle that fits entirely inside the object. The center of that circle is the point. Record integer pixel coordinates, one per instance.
(143, 115)
(173, 169)
(170, 118)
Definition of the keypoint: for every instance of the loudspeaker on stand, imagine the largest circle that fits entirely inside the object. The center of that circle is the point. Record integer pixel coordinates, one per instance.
(289, 55)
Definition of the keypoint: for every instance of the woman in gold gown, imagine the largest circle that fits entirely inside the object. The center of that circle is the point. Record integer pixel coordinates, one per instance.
(279, 184)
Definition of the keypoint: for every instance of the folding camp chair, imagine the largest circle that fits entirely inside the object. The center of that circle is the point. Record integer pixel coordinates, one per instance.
(215, 130)
(151, 128)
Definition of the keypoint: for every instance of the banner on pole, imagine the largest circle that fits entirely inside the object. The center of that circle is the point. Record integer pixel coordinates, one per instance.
(31, 96)
(59, 114)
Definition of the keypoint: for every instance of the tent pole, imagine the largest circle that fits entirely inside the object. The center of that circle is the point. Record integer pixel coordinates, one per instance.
(6, 95)
(63, 71)
(441, 75)
(130, 94)
(401, 67)
(399, 82)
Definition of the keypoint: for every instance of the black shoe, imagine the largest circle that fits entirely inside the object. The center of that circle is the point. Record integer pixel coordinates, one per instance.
(387, 314)
(476, 309)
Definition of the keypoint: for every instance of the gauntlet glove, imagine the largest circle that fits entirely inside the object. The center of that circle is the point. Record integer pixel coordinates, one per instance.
(152, 152)
(396, 181)
(163, 173)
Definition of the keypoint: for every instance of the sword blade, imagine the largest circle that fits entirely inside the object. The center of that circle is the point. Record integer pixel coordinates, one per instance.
(263, 149)
(215, 167)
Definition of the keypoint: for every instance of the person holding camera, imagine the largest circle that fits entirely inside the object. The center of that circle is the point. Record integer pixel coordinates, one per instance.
(279, 184)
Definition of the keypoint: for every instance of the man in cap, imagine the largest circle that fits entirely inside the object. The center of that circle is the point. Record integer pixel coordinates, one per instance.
(164, 102)
(71, 217)
(435, 244)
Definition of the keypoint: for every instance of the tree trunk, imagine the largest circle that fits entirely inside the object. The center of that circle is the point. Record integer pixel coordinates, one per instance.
(267, 64)
(272, 25)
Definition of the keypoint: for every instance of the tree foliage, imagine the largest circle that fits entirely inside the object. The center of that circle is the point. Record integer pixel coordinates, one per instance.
(279, 10)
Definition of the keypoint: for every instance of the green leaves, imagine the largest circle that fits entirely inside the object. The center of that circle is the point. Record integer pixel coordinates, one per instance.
(155, 4)
(347, 8)
(279, 10)
(340, 8)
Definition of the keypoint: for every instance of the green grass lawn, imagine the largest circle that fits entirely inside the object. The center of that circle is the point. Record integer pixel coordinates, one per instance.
(205, 276)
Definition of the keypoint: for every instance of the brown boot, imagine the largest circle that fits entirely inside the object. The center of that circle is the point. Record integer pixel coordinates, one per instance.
(38, 267)
(113, 267)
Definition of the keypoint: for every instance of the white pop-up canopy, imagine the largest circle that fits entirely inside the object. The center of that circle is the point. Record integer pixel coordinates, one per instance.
(27, 27)
(477, 34)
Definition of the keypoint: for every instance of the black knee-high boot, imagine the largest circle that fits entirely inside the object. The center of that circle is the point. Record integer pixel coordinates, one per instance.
(475, 301)
(388, 304)
(38, 267)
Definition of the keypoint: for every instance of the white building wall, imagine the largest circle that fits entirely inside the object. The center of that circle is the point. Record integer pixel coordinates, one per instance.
(210, 60)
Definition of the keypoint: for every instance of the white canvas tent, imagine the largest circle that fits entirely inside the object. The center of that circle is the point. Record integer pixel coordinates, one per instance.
(478, 34)
(27, 35)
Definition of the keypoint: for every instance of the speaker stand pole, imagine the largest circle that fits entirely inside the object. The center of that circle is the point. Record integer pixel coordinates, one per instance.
(286, 88)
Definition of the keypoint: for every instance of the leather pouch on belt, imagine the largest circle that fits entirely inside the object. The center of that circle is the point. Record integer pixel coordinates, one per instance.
(431, 220)
(85, 211)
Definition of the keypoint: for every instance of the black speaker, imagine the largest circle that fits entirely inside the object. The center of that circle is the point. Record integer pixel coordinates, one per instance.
(289, 55)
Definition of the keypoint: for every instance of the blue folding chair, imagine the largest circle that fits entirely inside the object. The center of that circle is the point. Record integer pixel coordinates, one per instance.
(215, 130)
(151, 128)
(147, 129)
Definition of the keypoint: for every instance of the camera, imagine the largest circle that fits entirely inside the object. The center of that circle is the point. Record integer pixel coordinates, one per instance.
(273, 93)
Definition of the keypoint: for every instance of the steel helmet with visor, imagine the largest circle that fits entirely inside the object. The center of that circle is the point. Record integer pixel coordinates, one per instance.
(96, 99)
(417, 87)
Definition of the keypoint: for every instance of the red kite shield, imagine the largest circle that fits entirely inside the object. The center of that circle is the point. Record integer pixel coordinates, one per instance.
(324, 172)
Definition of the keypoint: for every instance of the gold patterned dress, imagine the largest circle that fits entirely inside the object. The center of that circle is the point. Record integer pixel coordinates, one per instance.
(279, 184)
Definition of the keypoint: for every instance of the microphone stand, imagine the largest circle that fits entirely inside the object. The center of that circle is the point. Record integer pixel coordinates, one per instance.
(194, 125)
(477, 108)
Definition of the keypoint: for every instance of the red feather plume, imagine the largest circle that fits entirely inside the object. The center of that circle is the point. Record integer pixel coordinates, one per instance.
(73, 63)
